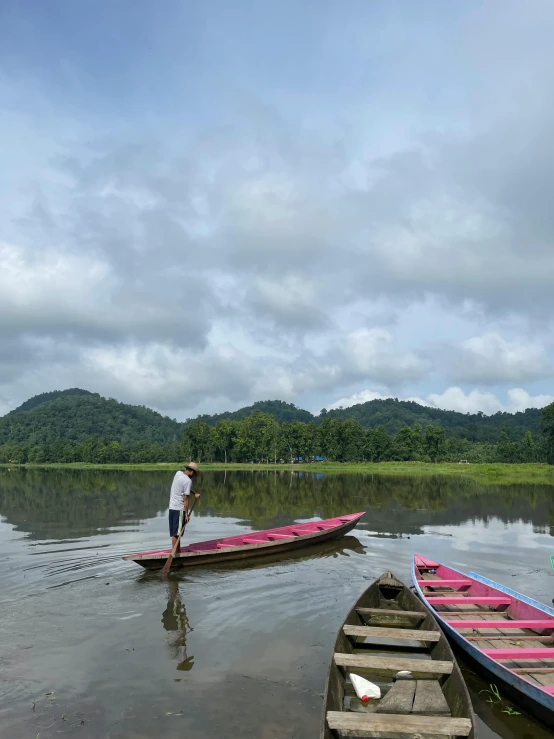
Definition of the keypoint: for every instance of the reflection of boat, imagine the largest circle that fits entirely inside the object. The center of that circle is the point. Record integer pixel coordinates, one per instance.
(174, 619)
(389, 630)
(504, 632)
(255, 544)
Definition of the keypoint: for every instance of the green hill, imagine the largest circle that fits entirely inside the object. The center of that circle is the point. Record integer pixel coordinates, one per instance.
(36, 400)
(394, 414)
(280, 410)
(79, 415)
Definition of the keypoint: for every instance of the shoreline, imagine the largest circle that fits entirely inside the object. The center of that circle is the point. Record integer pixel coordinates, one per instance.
(492, 473)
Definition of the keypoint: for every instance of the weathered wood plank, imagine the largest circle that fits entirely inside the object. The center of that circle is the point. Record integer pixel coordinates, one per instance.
(429, 699)
(453, 613)
(394, 664)
(400, 698)
(451, 583)
(385, 612)
(504, 624)
(400, 727)
(382, 632)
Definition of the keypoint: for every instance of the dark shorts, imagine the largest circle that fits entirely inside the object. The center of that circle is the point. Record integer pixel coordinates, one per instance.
(176, 521)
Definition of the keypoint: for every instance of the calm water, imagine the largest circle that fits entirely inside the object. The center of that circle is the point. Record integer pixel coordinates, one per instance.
(92, 647)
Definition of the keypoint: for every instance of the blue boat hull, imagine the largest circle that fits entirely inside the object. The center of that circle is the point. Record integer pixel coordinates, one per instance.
(534, 700)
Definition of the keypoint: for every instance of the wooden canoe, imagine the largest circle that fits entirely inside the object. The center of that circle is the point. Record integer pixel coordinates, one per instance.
(387, 630)
(506, 634)
(254, 544)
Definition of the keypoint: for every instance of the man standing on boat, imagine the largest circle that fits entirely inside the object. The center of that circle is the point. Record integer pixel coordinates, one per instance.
(179, 500)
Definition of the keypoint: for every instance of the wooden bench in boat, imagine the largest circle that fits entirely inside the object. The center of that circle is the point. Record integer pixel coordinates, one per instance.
(382, 632)
(384, 612)
(442, 583)
(471, 599)
(397, 725)
(520, 653)
(393, 664)
(505, 624)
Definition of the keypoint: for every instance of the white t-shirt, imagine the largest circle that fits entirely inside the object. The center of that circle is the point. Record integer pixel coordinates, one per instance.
(179, 488)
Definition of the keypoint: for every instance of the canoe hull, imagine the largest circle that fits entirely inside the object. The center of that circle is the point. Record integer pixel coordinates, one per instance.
(247, 552)
(534, 700)
(454, 687)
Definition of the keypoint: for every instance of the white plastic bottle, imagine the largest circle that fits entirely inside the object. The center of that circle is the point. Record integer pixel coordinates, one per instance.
(364, 689)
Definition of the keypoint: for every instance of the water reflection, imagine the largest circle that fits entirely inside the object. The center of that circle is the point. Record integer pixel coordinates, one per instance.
(70, 504)
(176, 623)
(62, 534)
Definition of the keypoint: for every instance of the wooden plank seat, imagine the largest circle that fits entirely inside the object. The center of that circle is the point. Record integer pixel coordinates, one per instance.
(396, 725)
(520, 653)
(444, 583)
(504, 637)
(471, 599)
(505, 624)
(382, 632)
(383, 612)
(393, 664)
(485, 611)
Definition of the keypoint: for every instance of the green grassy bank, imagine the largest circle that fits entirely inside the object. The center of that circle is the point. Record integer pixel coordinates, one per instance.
(485, 473)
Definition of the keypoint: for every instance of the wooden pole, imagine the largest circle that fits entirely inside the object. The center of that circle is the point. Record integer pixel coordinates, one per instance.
(167, 565)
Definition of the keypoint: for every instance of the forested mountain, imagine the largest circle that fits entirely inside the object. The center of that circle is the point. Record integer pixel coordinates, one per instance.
(395, 414)
(79, 426)
(280, 410)
(28, 405)
(80, 415)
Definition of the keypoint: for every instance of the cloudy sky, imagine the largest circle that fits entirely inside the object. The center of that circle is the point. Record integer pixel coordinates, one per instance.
(206, 204)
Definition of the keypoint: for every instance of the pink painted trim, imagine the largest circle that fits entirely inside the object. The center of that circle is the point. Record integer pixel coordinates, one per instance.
(453, 600)
(522, 653)
(548, 689)
(485, 624)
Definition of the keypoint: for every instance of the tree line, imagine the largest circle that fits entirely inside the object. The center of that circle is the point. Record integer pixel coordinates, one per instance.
(259, 438)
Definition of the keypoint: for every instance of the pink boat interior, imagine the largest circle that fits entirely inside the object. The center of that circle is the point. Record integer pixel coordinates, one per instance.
(260, 537)
(516, 634)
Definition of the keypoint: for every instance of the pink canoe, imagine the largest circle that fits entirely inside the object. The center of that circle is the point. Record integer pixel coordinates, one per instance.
(255, 544)
(502, 631)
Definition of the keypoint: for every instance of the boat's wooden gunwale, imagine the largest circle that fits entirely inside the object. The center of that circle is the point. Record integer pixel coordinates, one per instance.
(525, 682)
(362, 612)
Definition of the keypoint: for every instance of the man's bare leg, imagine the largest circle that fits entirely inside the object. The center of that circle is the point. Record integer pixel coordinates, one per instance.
(173, 540)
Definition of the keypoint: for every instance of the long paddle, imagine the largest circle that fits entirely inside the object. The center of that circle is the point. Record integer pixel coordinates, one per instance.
(167, 565)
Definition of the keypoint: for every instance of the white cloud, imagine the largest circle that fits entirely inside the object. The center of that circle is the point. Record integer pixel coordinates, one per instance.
(177, 262)
(362, 397)
(491, 359)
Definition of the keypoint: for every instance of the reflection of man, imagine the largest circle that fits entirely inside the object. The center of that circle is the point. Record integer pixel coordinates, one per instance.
(174, 618)
(179, 500)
